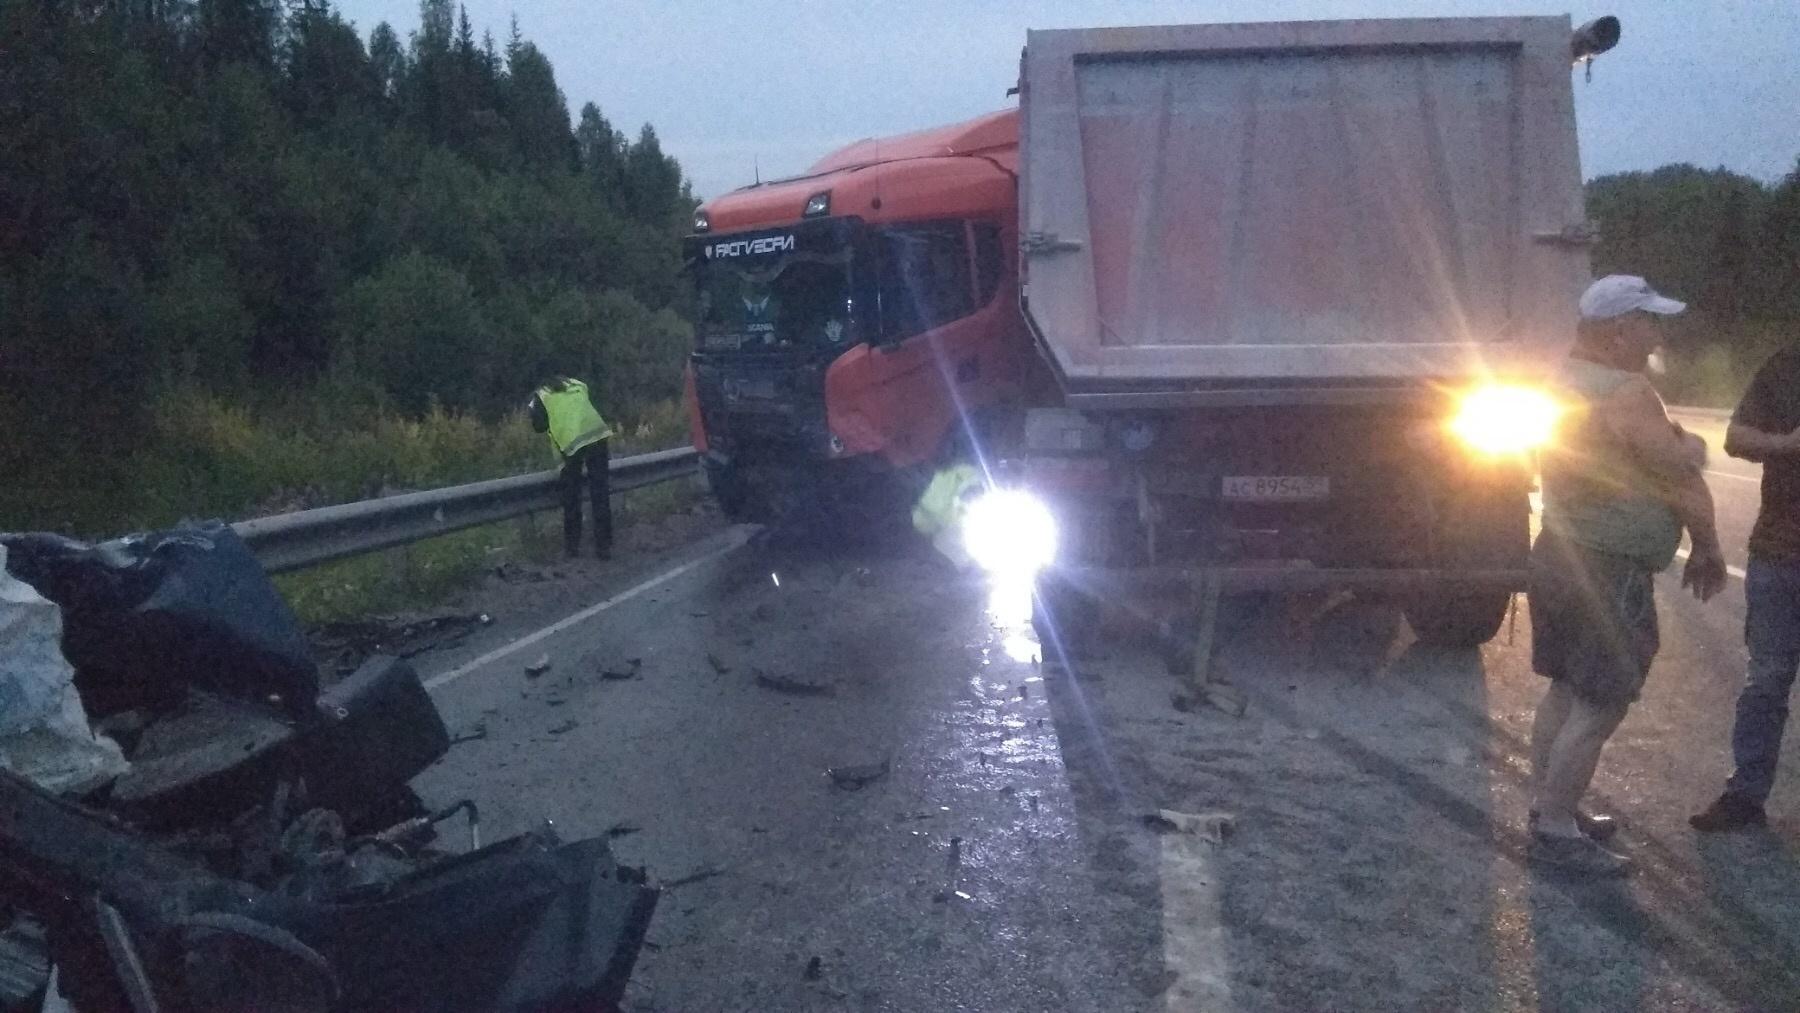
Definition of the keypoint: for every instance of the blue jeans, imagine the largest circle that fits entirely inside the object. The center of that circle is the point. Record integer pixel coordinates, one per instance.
(1772, 632)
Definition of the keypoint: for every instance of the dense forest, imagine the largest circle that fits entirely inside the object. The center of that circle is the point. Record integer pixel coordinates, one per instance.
(252, 257)
(246, 205)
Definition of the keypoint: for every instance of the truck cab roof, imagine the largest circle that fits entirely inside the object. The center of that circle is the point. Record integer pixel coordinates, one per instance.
(962, 169)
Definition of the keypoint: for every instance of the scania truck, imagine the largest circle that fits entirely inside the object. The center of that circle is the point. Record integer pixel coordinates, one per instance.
(860, 322)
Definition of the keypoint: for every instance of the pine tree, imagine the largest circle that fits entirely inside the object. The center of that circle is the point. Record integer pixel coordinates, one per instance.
(537, 110)
(387, 61)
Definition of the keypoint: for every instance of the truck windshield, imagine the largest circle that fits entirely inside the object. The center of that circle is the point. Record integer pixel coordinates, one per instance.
(774, 291)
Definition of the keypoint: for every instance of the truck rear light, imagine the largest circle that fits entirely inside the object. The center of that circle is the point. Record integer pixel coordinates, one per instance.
(701, 221)
(1501, 420)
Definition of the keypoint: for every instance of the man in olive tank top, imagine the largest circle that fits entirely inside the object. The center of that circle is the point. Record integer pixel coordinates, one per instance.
(1621, 483)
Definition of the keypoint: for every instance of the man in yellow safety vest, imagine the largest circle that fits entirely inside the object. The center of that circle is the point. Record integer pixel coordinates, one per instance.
(938, 514)
(561, 407)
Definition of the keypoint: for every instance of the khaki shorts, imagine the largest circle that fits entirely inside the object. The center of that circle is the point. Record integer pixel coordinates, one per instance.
(1593, 621)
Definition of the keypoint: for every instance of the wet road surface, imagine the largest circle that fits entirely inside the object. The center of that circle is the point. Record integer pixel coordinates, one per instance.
(998, 856)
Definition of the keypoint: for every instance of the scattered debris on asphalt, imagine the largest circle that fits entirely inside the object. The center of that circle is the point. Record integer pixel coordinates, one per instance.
(567, 726)
(1213, 827)
(704, 872)
(855, 777)
(814, 969)
(1024, 692)
(538, 667)
(351, 642)
(621, 829)
(632, 669)
(718, 667)
(1160, 823)
(476, 731)
(791, 686)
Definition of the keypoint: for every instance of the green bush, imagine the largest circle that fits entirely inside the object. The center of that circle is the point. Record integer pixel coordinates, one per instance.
(209, 456)
(1710, 365)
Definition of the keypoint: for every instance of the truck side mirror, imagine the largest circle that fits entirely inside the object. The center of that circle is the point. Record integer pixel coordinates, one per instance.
(1594, 38)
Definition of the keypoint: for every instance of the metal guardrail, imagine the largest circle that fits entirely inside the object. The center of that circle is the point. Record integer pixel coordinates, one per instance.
(306, 538)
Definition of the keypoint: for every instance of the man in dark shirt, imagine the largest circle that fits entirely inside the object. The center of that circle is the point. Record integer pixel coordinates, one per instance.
(1766, 428)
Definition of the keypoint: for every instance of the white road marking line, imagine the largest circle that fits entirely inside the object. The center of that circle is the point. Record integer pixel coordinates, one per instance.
(1741, 478)
(1733, 570)
(735, 539)
(1195, 947)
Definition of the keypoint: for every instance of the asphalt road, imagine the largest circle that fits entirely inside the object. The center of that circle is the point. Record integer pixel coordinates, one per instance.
(998, 856)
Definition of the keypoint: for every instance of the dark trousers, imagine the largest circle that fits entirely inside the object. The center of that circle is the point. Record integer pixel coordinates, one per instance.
(596, 459)
(1772, 632)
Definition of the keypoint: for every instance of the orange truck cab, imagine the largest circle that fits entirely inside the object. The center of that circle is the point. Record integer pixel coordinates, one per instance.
(856, 321)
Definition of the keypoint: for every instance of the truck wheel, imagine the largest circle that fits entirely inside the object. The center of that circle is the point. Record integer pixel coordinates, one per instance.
(1484, 529)
(1063, 617)
(730, 491)
(1458, 621)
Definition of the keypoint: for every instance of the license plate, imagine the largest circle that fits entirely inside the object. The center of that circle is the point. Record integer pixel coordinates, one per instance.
(1277, 488)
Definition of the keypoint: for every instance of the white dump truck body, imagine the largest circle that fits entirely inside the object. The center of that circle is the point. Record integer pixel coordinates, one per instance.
(1350, 204)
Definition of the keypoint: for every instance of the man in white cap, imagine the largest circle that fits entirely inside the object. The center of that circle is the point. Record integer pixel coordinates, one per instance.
(1620, 485)
(1766, 429)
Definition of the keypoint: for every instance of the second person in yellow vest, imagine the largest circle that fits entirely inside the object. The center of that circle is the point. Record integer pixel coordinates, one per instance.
(563, 408)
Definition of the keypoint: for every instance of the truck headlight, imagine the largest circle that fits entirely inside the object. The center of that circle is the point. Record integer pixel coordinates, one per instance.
(1501, 419)
(1010, 533)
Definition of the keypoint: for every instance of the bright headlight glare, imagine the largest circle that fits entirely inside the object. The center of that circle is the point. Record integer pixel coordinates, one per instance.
(1010, 532)
(1504, 419)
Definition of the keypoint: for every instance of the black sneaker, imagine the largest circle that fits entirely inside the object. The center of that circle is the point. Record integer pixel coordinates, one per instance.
(1729, 812)
(1577, 855)
(1595, 828)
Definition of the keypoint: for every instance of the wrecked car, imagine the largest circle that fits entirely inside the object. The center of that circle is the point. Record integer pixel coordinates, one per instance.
(190, 819)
